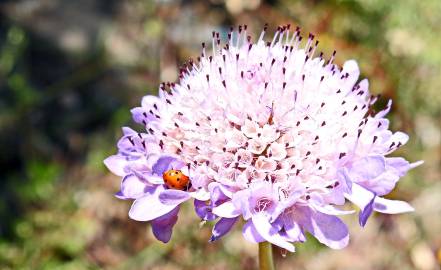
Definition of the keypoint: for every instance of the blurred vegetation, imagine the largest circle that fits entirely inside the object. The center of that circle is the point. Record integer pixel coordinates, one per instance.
(71, 70)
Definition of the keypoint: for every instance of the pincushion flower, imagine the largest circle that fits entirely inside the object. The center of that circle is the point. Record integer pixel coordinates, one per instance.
(267, 133)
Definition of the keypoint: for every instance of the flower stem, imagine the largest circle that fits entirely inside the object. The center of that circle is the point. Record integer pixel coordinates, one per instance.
(266, 256)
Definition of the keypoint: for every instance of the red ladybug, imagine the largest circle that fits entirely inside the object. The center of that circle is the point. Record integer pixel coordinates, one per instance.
(175, 179)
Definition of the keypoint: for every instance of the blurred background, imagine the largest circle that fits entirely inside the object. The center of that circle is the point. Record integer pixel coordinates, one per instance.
(71, 70)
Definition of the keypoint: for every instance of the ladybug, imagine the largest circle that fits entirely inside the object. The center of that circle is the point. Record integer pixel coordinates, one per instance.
(175, 179)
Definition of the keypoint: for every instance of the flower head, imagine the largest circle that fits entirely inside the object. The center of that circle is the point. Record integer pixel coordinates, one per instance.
(267, 133)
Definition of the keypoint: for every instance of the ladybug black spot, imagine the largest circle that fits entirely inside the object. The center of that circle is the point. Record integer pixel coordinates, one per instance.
(178, 179)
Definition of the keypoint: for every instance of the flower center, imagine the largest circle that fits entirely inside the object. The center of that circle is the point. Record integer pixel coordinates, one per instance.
(263, 204)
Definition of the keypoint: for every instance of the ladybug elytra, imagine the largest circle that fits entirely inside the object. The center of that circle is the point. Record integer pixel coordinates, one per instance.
(175, 179)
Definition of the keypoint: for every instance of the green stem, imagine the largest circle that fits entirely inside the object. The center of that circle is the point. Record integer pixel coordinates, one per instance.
(266, 256)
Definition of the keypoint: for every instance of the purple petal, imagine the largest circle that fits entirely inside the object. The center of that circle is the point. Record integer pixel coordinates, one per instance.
(132, 187)
(344, 180)
(222, 227)
(173, 197)
(416, 164)
(364, 199)
(269, 233)
(281, 206)
(226, 210)
(366, 212)
(367, 168)
(328, 230)
(399, 164)
(163, 164)
(241, 201)
(383, 184)
(250, 233)
(200, 194)
(125, 146)
(162, 226)
(293, 230)
(227, 191)
(128, 131)
(124, 143)
(204, 210)
(391, 206)
(216, 194)
(154, 179)
(332, 210)
(360, 196)
(119, 195)
(116, 164)
(139, 114)
(149, 206)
